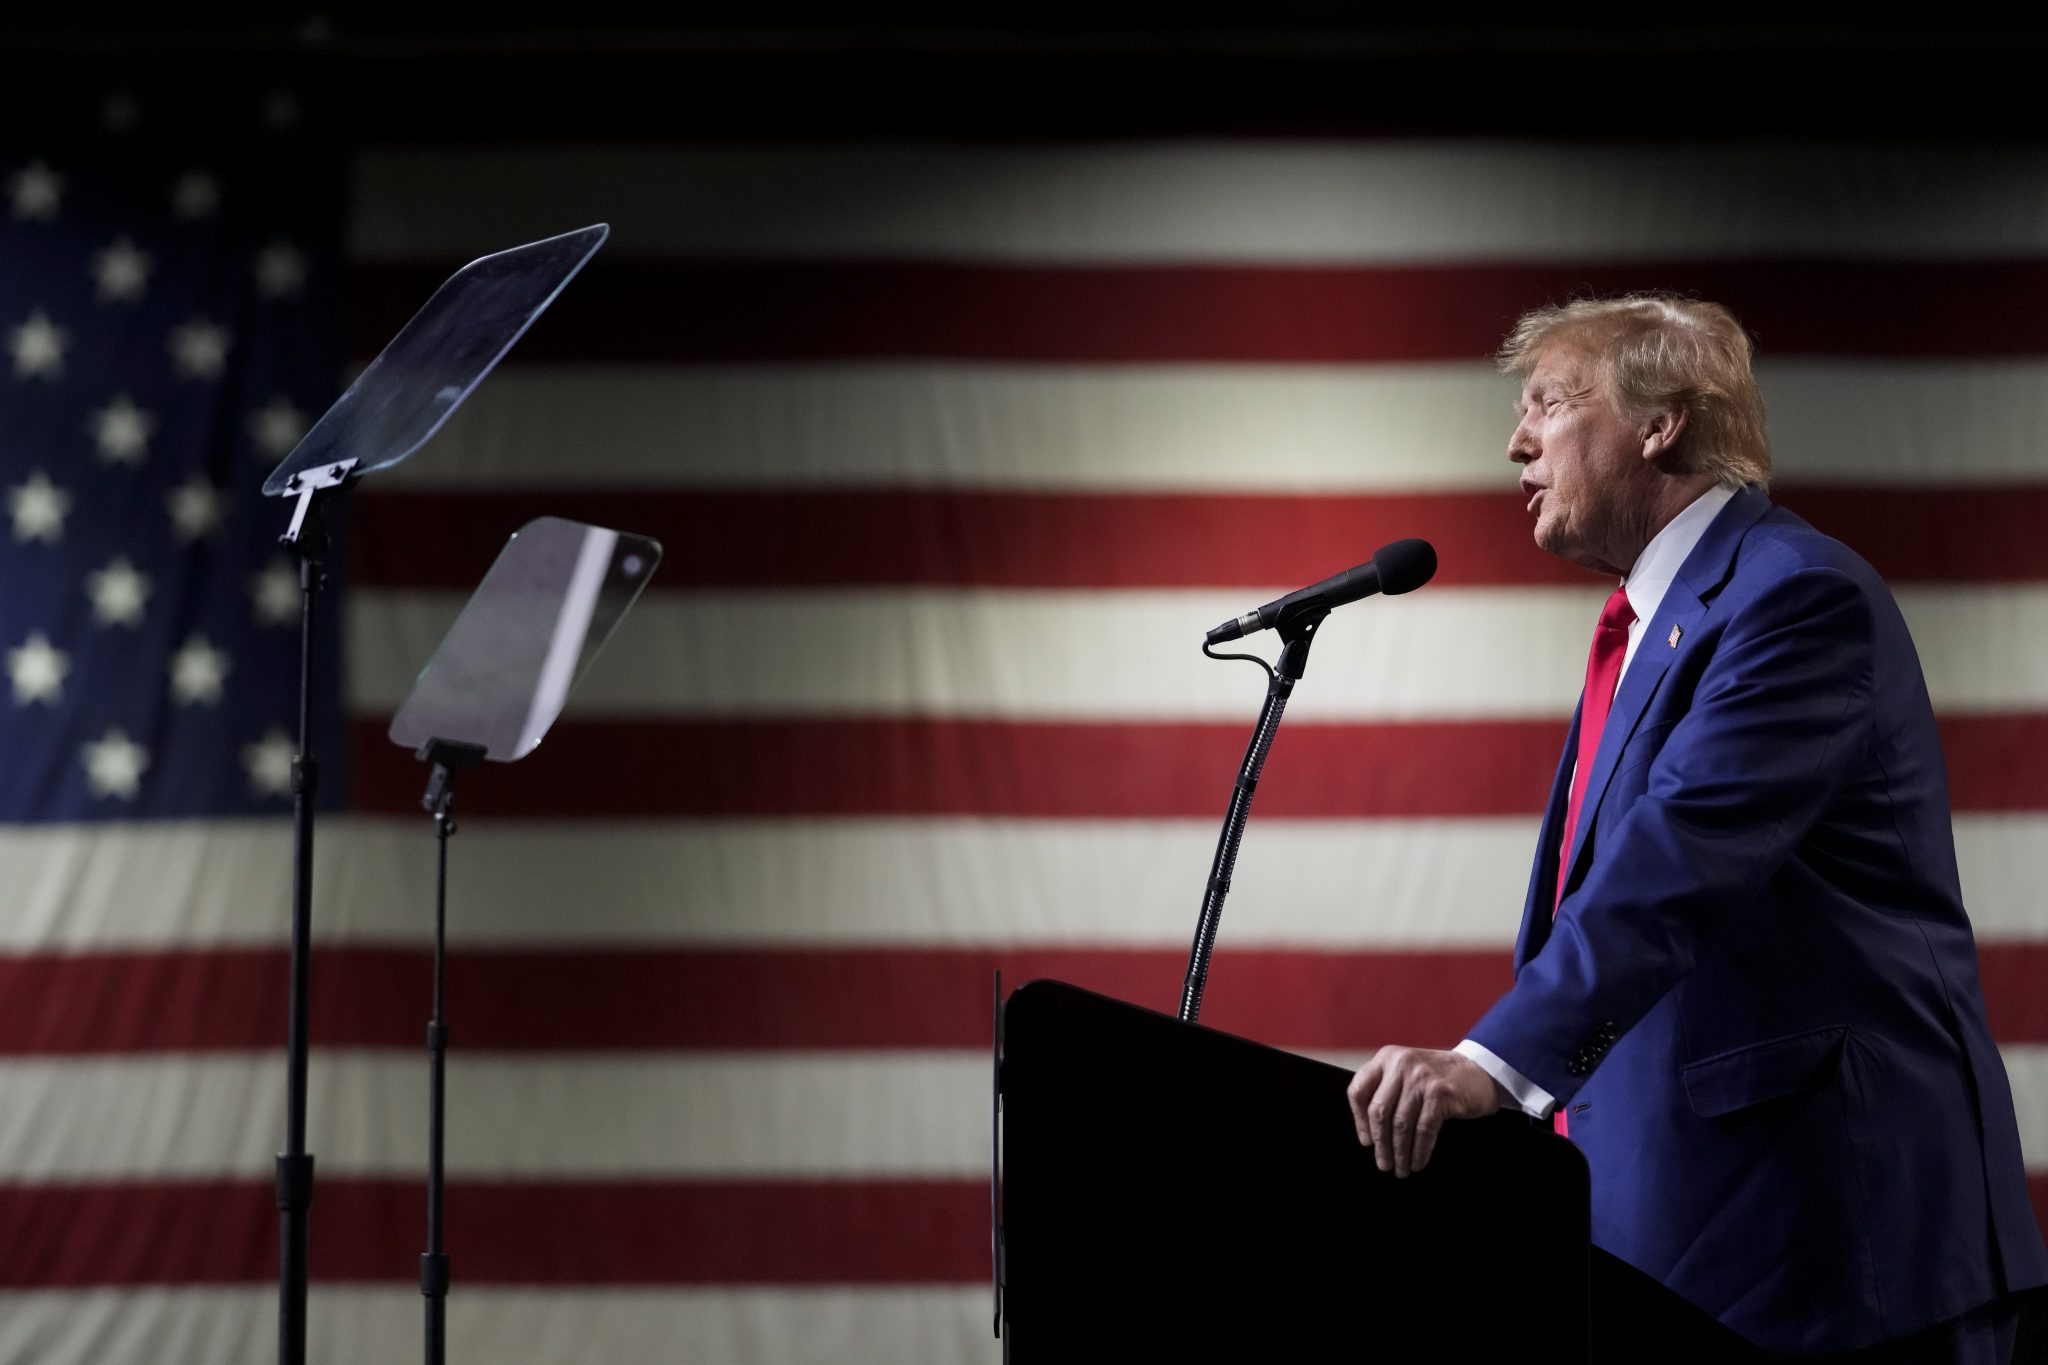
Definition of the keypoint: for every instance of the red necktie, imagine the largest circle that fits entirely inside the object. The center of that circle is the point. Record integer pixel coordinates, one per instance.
(1603, 672)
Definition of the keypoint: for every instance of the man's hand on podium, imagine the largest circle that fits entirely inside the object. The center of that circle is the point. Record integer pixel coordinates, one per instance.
(1400, 1099)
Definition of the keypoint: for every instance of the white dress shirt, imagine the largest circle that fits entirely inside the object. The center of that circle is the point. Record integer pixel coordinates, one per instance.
(1646, 584)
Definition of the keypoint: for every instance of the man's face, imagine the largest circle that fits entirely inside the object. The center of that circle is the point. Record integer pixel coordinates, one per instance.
(1583, 470)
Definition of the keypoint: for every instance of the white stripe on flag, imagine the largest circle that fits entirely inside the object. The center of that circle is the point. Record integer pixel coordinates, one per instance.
(591, 1116)
(1444, 653)
(553, 1116)
(838, 882)
(1253, 428)
(1297, 202)
(348, 1325)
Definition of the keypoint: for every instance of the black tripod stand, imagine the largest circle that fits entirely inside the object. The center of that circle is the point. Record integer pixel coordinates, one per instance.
(447, 757)
(306, 537)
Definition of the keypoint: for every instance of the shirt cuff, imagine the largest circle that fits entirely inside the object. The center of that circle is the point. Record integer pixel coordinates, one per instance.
(1536, 1102)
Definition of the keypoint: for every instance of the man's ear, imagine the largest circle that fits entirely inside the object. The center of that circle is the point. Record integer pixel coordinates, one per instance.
(1661, 431)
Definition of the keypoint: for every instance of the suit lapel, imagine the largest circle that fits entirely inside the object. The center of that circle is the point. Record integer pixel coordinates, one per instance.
(1638, 685)
(1542, 900)
(1678, 615)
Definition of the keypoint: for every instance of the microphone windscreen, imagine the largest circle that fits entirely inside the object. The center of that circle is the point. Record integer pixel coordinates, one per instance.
(1404, 565)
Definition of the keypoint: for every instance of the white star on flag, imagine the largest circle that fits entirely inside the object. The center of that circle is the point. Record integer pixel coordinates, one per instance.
(38, 669)
(280, 271)
(122, 272)
(195, 509)
(195, 195)
(269, 763)
(200, 347)
(276, 593)
(276, 427)
(38, 507)
(114, 765)
(118, 594)
(35, 190)
(121, 431)
(197, 672)
(38, 347)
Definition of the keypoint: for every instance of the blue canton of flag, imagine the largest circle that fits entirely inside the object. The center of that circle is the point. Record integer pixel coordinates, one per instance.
(168, 329)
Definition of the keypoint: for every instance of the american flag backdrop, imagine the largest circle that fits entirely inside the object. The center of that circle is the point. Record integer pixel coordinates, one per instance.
(956, 448)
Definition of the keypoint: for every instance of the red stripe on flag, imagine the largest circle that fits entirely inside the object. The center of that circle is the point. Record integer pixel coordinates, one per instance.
(661, 768)
(1984, 534)
(922, 537)
(925, 537)
(2014, 1002)
(657, 999)
(570, 1232)
(1994, 761)
(676, 768)
(737, 310)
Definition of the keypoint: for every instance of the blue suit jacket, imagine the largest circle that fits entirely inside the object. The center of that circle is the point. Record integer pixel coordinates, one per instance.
(1759, 1000)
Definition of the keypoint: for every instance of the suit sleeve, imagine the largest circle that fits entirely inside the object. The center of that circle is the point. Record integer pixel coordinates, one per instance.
(1779, 716)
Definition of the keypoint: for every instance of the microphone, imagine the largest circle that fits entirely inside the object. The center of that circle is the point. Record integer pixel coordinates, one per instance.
(1400, 567)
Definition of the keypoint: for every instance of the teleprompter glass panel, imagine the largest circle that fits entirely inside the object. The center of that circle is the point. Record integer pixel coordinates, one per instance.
(439, 356)
(502, 672)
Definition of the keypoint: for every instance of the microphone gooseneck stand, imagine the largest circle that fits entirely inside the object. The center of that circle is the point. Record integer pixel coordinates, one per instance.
(1297, 631)
(306, 538)
(446, 756)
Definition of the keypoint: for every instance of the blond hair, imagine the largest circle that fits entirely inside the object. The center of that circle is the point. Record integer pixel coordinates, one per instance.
(1654, 352)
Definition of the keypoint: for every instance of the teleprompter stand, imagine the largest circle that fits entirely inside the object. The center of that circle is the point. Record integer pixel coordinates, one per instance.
(307, 539)
(495, 685)
(392, 409)
(445, 758)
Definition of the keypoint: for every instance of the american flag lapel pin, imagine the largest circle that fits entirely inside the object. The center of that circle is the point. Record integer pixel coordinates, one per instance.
(1672, 639)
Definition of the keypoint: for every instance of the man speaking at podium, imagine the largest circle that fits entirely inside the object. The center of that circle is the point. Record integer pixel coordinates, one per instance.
(1744, 984)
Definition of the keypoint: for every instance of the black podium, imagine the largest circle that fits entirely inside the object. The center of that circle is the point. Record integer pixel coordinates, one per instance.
(1172, 1193)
